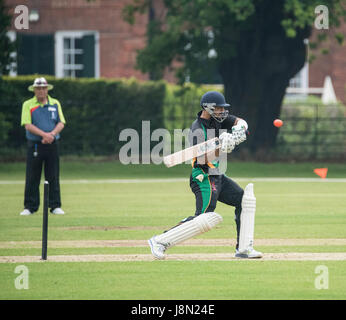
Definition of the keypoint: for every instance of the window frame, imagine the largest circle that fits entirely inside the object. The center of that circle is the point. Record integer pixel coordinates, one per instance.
(303, 76)
(59, 50)
(12, 35)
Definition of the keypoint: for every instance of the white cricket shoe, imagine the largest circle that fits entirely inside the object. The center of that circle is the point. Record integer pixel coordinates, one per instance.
(250, 253)
(157, 249)
(26, 212)
(58, 211)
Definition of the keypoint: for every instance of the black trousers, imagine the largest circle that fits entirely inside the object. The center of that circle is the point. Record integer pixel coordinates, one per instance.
(42, 156)
(217, 188)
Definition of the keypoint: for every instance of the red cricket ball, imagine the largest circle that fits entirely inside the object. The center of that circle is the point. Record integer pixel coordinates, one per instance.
(278, 123)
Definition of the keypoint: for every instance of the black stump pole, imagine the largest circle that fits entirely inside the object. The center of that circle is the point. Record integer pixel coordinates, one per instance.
(45, 221)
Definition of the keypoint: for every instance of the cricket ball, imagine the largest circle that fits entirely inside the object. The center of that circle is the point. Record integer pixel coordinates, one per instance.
(278, 123)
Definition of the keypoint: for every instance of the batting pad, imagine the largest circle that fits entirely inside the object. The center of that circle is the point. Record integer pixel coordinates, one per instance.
(247, 219)
(198, 225)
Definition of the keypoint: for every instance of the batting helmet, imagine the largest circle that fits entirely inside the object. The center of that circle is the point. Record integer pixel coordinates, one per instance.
(212, 99)
(215, 98)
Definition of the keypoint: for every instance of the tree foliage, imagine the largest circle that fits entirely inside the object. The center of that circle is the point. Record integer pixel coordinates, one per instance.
(6, 46)
(256, 46)
(211, 30)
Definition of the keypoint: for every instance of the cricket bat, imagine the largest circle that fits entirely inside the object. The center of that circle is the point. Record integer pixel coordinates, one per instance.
(192, 152)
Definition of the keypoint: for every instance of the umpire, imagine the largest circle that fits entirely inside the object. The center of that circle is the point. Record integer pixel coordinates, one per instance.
(43, 120)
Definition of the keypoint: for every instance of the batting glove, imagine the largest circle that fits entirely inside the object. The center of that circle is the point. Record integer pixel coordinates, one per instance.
(227, 142)
(239, 131)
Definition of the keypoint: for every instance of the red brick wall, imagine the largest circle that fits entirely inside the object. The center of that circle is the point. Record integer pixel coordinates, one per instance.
(118, 40)
(332, 64)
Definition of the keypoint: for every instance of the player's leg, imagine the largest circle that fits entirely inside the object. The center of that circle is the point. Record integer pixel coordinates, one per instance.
(33, 177)
(206, 193)
(245, 205)
(51, 171)
(232, 194)
(247, 226)
(186, 230)
(206, 196)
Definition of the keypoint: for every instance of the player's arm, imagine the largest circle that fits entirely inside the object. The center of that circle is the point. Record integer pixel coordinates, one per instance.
(241, 123)
(58, 128)
(46, 136)
(198, 136)
(236, 121)
(27, 123)
(239, 130)
(61, 121)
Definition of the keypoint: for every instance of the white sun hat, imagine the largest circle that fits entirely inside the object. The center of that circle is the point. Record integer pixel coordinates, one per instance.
(40, 82)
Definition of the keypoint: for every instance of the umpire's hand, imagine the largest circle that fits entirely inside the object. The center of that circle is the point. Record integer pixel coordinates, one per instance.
(48, 138)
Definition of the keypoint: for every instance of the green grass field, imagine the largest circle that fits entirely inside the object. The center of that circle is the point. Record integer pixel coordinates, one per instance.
(293, 217)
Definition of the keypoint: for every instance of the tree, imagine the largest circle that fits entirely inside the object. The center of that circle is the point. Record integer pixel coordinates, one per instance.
(6, 46)
(257, 46)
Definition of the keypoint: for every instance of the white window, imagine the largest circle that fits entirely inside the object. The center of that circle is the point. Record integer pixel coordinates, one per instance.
(299, 84)
(301, 79)
(77, 54)
(13, 67)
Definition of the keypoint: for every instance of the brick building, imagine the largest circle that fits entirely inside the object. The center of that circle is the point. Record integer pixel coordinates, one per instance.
(79, 39)
(83, 38)
(333, 64)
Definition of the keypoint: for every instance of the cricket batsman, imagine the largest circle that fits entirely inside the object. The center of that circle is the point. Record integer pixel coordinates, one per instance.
(209, 185)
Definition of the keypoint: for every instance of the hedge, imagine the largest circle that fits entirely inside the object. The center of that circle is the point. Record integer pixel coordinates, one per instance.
(312, 130)
(96, 110)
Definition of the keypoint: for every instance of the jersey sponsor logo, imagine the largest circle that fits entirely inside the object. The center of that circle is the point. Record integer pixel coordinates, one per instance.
(53, 112)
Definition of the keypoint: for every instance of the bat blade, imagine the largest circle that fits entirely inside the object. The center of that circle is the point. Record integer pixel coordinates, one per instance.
(191, 152)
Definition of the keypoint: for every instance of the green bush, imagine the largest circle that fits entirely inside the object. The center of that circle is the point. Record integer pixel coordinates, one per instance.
(96, 110)
(312, 130)
(4, 130)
